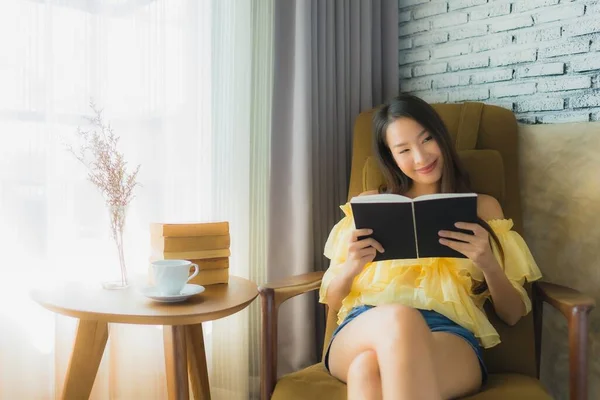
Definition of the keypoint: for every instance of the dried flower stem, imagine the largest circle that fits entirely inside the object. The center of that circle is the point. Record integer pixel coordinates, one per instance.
(107, 170)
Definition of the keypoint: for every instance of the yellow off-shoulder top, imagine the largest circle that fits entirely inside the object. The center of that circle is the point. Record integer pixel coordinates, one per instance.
(439, 284)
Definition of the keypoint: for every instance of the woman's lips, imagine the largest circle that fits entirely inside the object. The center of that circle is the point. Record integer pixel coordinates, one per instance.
(427, 169)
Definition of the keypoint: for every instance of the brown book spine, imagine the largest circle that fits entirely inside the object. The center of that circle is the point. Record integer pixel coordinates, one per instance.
(190, 255)
(211, 263)
(192, 229)
(211, 277)
(189, 243)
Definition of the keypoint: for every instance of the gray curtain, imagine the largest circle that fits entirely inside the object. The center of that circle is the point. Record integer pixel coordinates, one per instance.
(332, 60)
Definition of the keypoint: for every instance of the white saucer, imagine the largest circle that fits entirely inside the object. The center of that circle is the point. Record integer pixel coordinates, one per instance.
(188, 291)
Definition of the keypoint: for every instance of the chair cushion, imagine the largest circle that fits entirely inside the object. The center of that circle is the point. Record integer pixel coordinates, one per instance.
(485, 169)
(312, 383)
(316, 383)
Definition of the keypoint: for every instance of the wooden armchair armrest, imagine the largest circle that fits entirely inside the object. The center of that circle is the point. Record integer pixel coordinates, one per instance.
(575, 306)
(272, 295)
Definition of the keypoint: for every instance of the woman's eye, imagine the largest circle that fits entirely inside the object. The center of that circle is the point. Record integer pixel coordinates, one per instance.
(403, 151)
(427, 139)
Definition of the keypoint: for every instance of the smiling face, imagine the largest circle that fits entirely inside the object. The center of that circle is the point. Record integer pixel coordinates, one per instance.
(416, 153)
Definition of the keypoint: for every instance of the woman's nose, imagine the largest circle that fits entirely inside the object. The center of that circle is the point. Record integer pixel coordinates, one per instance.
(418, 157)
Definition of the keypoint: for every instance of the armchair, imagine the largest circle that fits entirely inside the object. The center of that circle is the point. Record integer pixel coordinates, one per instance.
(486, 139)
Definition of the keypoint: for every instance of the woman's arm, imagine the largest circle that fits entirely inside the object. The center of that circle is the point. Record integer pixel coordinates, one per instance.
(360, 252)
(506, 299)
(339, 288)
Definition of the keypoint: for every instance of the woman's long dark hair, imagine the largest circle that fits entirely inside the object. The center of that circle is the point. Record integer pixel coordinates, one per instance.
(454, 176)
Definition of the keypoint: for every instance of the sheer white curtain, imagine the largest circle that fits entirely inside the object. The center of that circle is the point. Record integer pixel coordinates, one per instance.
(186, 85)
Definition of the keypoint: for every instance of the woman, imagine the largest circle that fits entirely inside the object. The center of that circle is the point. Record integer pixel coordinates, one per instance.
(415, 329)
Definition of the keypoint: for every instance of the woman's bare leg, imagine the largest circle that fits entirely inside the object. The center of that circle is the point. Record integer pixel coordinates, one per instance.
(364, 382)
(413, 362)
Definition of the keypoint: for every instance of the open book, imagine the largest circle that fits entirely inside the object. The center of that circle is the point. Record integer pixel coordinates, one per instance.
(408, 228)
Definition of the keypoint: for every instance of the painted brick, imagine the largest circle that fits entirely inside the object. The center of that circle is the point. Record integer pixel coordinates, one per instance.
(412, 85)
(469, 31)
(559, 13)
(492, 75)
(509, 105)
(525, 119)
(451, 80)
(430, 38)
(557, 68)
(587, 100)
(404, 16)
(544, 57)
(582, 26)
(541, 104)
(564, 117)
(507, 24)
(589, 62)
(592, 8)
(432, 97)
(408, 3)
(537, 35)
(404, 44)
(405, 72)
(565, 83)
(491, 42)
(469, 94)
(450, 50)
(458, 4)
(564, 48)
(430, 69)
(490, 11)
(526, 5)
(407, 57)
(513, 57)
(413, 27)
(469, 62)
(519, 89)
(429, 10)
(449, 20)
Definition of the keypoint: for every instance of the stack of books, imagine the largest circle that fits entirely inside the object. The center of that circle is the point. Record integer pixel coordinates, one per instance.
(204, 244)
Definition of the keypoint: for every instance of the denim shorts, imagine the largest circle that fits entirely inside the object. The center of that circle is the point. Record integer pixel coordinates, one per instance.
(436, 322)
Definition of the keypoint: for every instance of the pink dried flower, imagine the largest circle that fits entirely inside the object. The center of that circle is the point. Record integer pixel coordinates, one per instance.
(106, 166)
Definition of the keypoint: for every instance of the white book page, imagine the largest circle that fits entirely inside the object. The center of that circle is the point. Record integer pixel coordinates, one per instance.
(381, 198)
(439, 196)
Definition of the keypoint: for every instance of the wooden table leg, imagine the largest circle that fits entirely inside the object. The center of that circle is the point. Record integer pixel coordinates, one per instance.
(88, 349)
(176, 362)
(197, 362)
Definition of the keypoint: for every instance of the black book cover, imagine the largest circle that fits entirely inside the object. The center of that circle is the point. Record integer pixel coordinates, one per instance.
(433, 216)
(408, 229)
(392, 225)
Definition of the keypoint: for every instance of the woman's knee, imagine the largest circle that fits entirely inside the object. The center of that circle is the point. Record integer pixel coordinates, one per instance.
(400, 320)
(364, 366)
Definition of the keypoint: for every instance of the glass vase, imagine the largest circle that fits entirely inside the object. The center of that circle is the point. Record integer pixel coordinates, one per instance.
(117, 216)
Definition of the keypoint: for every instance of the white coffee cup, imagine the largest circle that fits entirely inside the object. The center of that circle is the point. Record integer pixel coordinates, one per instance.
(170, 276)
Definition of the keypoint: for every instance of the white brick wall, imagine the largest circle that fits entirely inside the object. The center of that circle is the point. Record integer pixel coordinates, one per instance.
(538, 58)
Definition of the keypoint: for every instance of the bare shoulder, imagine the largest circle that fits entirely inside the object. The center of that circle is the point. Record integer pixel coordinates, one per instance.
(368, 192)
(488, 208)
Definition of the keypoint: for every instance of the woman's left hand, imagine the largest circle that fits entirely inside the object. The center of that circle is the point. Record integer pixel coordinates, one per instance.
(476, 246)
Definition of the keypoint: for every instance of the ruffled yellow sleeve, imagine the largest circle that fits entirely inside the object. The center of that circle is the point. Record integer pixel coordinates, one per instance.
(336, 249)
(518, 264)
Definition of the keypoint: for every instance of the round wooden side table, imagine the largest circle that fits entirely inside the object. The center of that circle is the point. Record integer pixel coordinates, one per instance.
(96, 307)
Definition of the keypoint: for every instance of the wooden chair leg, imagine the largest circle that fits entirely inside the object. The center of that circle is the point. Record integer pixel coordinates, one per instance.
(176, 362)
(197, 362)
(88, 349)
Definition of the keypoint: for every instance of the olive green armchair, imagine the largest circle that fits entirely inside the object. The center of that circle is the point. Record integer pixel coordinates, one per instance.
(486, 139)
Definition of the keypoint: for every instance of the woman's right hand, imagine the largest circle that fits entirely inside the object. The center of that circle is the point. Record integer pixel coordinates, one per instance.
(361, 251)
